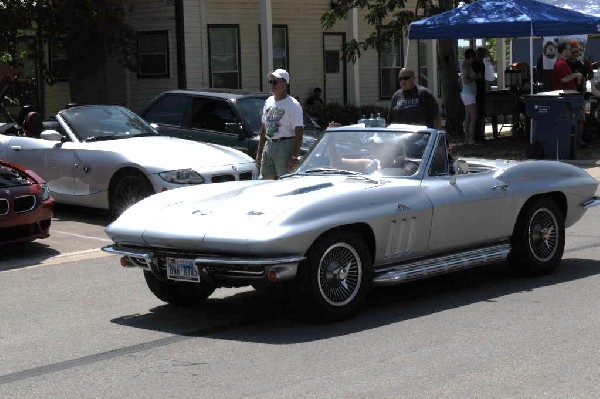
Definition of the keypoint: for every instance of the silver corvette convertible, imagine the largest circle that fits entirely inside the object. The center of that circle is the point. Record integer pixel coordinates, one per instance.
(368, 206)
(105, 156)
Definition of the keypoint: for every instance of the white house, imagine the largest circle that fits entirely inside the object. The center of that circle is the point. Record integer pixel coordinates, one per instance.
(227, 44)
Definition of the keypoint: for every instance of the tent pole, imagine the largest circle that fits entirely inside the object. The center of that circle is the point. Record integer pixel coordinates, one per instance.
(407, 47)
(531, 80)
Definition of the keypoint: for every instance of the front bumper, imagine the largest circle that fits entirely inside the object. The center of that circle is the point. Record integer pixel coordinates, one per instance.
(216, 267)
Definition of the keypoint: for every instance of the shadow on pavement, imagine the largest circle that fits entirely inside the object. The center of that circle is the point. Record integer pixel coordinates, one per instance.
(13, 256)
(256, 317)
(82, 214)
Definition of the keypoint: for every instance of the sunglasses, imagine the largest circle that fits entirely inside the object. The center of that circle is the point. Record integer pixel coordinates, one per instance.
(273, 82)
(404, 77)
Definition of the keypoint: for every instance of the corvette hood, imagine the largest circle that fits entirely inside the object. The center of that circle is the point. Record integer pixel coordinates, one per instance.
(161, 153)
(233, 212)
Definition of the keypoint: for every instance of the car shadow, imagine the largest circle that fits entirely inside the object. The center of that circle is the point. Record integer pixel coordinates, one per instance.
(257, 317)
(73, 213)
(24, 254)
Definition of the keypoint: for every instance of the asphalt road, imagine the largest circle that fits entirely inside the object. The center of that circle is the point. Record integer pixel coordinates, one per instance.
(77, 325)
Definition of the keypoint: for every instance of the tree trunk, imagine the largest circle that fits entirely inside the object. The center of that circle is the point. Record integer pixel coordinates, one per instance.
(453, 107)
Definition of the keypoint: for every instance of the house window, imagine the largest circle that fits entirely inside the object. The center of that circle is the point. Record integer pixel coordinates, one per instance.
(280, 47)
(58, 60)
(153, 57)
(390, 62)
(224, 54)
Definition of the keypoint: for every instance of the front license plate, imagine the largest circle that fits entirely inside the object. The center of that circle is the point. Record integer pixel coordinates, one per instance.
(180, 269)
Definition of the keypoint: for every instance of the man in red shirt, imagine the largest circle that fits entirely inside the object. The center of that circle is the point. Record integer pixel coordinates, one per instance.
(563, 78)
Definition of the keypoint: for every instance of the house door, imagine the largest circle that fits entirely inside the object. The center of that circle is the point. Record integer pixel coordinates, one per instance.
(335, 68)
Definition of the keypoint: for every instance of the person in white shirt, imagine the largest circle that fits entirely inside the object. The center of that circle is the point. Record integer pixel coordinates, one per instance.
(281, 130)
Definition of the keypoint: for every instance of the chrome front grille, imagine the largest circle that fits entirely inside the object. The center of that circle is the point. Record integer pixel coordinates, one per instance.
(246, 176)
(4, 208)
(24, 203)
(222, 178)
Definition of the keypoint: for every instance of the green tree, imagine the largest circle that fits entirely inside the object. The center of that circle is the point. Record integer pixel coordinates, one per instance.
(390, 20)
(88, 29)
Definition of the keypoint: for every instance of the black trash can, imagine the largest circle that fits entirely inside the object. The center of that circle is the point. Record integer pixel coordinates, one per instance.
(556, 117)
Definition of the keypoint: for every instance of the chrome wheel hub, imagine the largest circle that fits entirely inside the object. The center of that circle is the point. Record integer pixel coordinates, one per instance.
(340, 274)
(543, 235)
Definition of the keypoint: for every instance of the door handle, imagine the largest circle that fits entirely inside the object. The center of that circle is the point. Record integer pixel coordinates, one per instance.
(16, 147)
(502, 187)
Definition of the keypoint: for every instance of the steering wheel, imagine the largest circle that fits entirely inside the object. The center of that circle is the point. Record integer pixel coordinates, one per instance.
(409, 166)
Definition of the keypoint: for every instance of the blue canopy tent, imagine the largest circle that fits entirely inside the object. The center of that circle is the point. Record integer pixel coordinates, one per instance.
(505, 18)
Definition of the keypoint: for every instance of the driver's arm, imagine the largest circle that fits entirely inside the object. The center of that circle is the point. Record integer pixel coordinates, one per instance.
(336, 160)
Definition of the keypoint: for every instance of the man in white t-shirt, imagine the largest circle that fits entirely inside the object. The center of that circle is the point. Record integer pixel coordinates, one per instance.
(281, 131)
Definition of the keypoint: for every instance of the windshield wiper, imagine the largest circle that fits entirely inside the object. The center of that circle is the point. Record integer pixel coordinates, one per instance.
(102, 138)
(332, 171)
(145, 134)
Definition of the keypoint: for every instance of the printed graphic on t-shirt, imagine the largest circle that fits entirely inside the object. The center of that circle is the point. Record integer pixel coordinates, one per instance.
(406, 103)
(273, 117)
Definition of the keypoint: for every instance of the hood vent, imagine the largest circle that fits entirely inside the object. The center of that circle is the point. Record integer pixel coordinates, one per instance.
(308, 189)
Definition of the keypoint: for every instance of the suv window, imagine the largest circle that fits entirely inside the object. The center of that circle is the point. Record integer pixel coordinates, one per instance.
(170, 110)
(250, 108)
(211, 114)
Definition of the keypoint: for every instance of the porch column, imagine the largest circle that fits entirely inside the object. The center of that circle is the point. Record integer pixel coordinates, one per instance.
(353, 68)
(266, 41)
(432, 67)
(501, 61)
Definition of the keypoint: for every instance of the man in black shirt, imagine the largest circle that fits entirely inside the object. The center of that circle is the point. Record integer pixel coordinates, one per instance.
(413, 104)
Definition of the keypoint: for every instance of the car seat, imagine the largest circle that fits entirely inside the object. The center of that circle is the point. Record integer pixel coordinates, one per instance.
(33, 125)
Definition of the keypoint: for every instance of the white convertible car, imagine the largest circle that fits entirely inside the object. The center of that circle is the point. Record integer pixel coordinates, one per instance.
(105, 156)
(368, 206)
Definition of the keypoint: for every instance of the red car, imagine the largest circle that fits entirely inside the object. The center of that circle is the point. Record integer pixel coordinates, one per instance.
(26, 206)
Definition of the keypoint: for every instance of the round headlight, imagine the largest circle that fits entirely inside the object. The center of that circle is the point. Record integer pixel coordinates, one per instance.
(45, 191)
(182, 176)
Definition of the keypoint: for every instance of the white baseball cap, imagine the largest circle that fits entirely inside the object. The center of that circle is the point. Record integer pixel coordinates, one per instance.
(281, 74)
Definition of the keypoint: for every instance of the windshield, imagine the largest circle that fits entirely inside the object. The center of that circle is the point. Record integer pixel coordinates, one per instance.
(105, 122)
(394, 153)
(251, 108)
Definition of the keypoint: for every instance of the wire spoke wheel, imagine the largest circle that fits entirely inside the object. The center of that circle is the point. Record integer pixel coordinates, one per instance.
(538, 240)
(543, 234)
(340, 274)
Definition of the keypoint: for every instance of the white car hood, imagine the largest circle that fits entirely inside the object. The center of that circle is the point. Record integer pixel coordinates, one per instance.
(160, 153)
(185, 217)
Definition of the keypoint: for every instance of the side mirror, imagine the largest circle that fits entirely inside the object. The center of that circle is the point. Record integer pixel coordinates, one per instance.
(461, 167)
(235, 128)
(51, 135)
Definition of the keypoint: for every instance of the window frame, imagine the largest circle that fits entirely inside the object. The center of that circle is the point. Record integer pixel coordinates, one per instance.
(394, 69)
(52, 58)
(287, 51)
(235, 27)
(167, 72)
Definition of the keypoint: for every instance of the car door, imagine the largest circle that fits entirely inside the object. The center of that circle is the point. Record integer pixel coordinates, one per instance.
(171, 113)
(47, 158)
(209, 123)
(468, 209)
